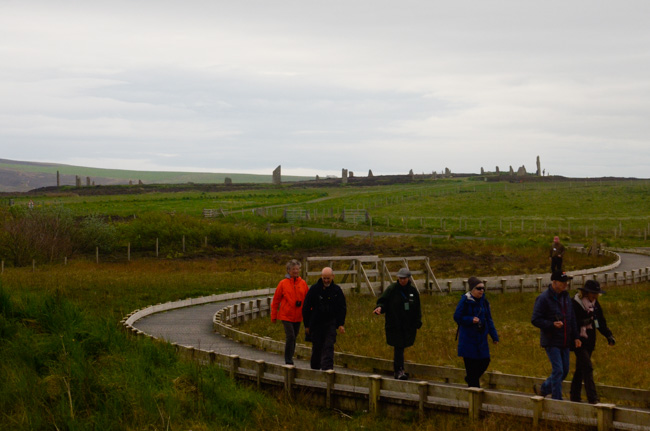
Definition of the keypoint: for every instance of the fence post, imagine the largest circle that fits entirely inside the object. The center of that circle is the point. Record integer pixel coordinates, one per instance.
(538, 408)
(261, 367)
(183, 243)
(96, 254)
(539, 284)
(65, 261)
(156, 247)
(329, 376)
(373, 395)
(605, 416)
(289, 376)
(465, 286)
(503, 285)
(449, 286)
(234, 366)
(128, 252)
(422, 391)
(633, 277)
(475, 402)
(3, 267)
(521, 285)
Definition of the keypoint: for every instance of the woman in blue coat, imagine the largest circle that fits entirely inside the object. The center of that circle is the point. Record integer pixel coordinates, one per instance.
(474, 320)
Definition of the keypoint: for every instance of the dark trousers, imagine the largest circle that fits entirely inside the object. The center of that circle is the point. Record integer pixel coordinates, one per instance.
(398, 359)
(475, 368)
(323, 339)
(291, 330)
(556, 264)
(584, 373)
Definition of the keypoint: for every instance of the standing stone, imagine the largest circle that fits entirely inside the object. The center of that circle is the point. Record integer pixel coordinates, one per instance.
(140, 182)
(130, 182)
(521, 171)
(77, 181)
(411, 174)
(434, 175)
(277, 175)
(344, 176)
(350, 174)
(512, 172)
(58, 179)
(539, 169)
(87, 181)
(227, 181)
(482, 171)
(497, 170)
(447, 172)
(370, 175)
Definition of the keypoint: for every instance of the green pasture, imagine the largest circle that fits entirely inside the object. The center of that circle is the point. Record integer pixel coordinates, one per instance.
(612, 212)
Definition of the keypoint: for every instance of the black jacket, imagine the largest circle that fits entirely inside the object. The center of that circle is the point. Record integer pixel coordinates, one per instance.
(403, 314)
(596, 318)
(324, 306)
(549, 307)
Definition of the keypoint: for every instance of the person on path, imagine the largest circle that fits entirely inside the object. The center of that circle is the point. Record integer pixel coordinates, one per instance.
(556, 254)
(401, 304)
(590, 317)
(554, 316)
(324, 313)
(287, 306)
(474, 319)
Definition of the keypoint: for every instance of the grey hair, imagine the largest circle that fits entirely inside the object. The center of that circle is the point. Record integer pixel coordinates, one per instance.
(292, 263)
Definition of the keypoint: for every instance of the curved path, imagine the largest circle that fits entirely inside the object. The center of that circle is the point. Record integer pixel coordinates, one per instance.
(192, 326)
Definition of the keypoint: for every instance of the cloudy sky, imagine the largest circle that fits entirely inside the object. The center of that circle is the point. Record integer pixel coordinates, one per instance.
(316, 86)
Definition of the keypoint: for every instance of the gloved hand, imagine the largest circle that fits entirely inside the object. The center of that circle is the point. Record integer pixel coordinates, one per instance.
(611, 340)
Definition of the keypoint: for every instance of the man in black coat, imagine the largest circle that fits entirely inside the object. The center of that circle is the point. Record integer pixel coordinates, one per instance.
(401, 304)
(323, 314)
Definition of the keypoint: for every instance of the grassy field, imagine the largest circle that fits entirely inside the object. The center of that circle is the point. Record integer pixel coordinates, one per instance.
(613, 212)
(58, 339)
(517, 353)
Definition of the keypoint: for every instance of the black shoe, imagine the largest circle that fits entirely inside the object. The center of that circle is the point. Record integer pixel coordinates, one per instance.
(401, 375)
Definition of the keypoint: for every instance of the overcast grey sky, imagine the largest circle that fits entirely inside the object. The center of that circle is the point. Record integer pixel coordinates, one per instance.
(316, 86)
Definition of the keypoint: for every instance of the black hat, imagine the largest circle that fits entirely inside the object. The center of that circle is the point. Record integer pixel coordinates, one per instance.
(473, 282)
(592, 286)
(560, 276)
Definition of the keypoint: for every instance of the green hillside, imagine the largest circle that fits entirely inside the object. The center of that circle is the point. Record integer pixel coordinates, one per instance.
(18, 176)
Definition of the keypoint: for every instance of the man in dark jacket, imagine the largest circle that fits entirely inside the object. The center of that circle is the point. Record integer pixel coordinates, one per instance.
(556, 254)
(401, 304)
(323, 314)
(553, 315)
(590, 317)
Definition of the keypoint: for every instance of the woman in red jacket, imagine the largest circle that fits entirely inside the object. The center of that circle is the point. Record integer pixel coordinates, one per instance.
(287, 306)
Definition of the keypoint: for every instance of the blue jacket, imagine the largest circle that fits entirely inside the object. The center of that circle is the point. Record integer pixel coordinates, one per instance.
(550, 307)
(472, 337)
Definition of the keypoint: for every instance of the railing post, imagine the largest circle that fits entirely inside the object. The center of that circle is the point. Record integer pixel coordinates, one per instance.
(606, 277)
(465, 287)
(475, 402)
(234, 366)
(373, 394)
(423, 392)
(539, 284)
(503, 285)
(449, 286)
(261, 367)
(633, 277)
(521, 285)
(624, 278)
(538, 408)
(330, 375)
(289, 377)
(605, 416)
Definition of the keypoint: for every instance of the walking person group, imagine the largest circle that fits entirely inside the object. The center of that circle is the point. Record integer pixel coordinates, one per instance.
(565, 324)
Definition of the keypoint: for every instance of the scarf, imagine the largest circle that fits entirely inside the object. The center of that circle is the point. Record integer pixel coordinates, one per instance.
(589, 308)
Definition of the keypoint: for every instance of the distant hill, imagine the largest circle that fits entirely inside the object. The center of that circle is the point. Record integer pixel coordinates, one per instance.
(20, 176)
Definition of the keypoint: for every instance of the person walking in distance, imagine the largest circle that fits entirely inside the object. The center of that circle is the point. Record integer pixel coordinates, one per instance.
(324, 313)
(287, 306)
(401, 304)
(556, 254)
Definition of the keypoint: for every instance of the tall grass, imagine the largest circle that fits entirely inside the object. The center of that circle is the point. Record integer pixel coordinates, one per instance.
(518, 352)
